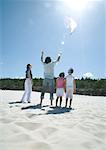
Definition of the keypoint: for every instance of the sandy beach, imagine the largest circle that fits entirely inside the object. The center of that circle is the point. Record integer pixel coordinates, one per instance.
(26, 126)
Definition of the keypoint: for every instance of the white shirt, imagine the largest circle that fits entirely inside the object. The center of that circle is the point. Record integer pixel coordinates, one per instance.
(69, 81)
(49, 70)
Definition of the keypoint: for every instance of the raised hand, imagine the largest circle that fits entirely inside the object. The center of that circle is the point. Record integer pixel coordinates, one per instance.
(42, 52)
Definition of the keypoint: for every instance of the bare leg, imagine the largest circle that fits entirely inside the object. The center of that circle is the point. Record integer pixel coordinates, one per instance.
(60, 101)
(42, 97)
(41, 101)
(51, 98)
(66, 102)
(70, 103)
(51, 102)
(57, 101)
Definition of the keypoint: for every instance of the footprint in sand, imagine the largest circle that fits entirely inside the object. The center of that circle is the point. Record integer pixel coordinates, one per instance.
(27, 146)
(30, 116)
(47, 132)
(40, 146)
(19, 138)
(93, 145)
(2, 120)
(29, 125)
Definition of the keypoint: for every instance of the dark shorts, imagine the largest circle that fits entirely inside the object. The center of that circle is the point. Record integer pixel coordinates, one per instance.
(48, 85)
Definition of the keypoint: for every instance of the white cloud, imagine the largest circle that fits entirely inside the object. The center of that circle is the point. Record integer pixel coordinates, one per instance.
(75, 78)
(19, 77)
(88, 75)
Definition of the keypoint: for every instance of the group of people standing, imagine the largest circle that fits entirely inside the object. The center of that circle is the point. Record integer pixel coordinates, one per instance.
(63, 84)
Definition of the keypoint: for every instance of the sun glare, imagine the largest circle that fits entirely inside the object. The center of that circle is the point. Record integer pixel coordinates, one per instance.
(76, 4)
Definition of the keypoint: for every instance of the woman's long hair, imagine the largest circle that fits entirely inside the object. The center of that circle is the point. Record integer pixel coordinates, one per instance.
(47, 60)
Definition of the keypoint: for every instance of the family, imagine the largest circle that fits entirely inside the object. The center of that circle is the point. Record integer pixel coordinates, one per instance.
(63, 84)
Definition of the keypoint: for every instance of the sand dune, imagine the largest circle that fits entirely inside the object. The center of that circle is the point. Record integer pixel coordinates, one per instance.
(27, 126)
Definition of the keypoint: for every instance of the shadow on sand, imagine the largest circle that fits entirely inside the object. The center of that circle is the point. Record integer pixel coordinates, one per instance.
(17, 102)
(50, 110)
(38, 106)
(59, 110)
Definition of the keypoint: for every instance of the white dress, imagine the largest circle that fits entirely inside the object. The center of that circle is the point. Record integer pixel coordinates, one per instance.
(28, 87)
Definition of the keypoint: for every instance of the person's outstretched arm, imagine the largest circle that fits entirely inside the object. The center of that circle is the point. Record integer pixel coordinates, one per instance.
(58, 59)
(42, 55)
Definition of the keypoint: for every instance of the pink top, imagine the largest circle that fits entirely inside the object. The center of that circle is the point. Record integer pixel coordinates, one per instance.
(60, 82)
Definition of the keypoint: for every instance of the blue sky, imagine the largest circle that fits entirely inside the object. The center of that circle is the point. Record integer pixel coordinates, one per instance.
(28, 26)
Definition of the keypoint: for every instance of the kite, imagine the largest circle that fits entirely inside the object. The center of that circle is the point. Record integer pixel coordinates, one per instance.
(70, 24)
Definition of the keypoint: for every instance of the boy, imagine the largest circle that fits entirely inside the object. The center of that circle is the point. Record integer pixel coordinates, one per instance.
(70, 87)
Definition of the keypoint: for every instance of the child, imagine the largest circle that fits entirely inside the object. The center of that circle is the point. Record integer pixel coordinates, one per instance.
(60, 86)
(27, 85)
(70, 86)
(48, 82)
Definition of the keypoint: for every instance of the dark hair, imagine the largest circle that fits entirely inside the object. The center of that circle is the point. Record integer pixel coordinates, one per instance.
(71, 70)
(62, 74)
(47, 60)
(28, 65)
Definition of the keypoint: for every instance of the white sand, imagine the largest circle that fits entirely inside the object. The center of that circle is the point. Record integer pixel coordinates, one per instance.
(34, 129)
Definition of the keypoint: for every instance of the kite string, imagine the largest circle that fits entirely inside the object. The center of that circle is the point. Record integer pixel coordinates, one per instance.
(70, 25)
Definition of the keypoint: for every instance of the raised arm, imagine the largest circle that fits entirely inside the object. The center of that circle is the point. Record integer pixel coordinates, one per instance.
(58, 59)
(42, 55)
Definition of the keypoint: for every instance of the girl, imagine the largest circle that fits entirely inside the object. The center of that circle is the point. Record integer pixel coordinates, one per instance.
(60, 86)
(27, 85)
